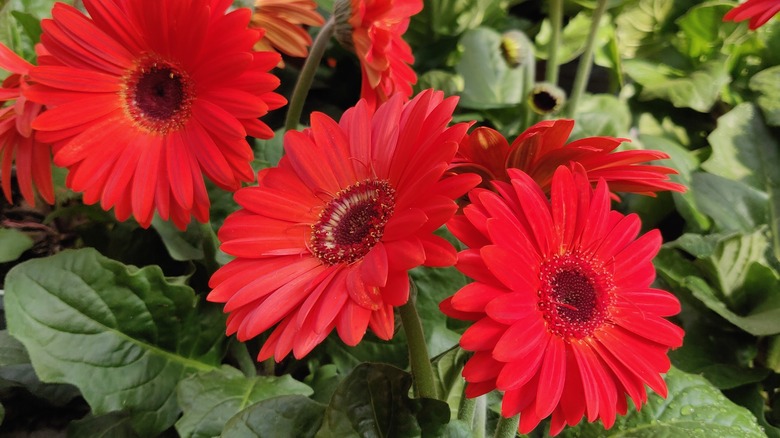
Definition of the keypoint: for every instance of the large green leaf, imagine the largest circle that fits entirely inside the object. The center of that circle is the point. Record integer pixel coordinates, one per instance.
(111, 425)
(767, 84)
(693, 408)
(681, 274)
(601, 115)
(283, 416)
(210, 399)
(747, 207)
(684, 163)
(705, 32)
(743, 149)
(16, 370)
(640, 25)
(697, 89)
(373, 401)
(13, 243)
(488, 81)
(124, 336)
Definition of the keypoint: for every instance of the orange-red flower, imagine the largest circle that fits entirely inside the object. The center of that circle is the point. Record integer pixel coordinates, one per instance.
(283, 22)
(374, 28)
(757, 11)
(146, 96)
(326, 239)
(542, 148)
(566, 322)
(18, 140)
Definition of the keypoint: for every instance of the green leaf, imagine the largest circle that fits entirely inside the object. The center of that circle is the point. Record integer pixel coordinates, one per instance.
(758, 324)
(111, 425)
(323, 379)
(374, 401)
(601, 115)
(698, 89)
(573, 37)
(750, 397)
(743, 149)
(453, 17)
(640, 26)
(283, 416)
(488, 82)
(705, 32)
(767, 84)
(16, 370)
(433, 286)
(693, 408)
(450, 384)
(210, 399)
(450, 83)
(685, 163)
(722, 355)
(13, 243)
(30, 24)
(747, 206)
(124, 336)
(2, 413)
(181, 245)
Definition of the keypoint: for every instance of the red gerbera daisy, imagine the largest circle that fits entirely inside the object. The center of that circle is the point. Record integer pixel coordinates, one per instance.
(542, 148)
(282, 21)
(18, 141)
(145, 96)
(566, 321)
(374, 29)
(758, 11)
(327, 238)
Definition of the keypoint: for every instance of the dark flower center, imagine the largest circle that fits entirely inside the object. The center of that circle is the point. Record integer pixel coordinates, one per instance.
(353, 222)
(575, 296)
(158, 96)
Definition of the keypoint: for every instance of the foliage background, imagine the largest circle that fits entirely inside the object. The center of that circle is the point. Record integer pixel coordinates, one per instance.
(108, 331)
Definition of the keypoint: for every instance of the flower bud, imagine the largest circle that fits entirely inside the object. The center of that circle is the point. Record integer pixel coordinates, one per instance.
(546, 98)
(516, 48)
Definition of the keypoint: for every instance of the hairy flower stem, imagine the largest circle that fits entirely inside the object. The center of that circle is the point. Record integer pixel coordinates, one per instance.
(295, 108)
(418, 351)
(556, 23)
(210, 244)
(586, 60)
(466, 409)
(240, 353)
(507, 427)
(480, 417)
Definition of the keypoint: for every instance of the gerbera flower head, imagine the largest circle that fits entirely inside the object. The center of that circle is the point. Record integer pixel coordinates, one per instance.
(542, 148)
(283, 21)
(326, 239)
(18, 142)
(759, 12)
(374, 30)
(145, 97)
(566, 323)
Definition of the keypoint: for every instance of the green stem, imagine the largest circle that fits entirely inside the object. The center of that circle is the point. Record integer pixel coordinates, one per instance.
(466, 409)
(556, 23)
(507, 427)
(418, 351)
(295, 108)
(209, 247)
(239, 352)
(269, 367)
(586, 60)
(480, 417)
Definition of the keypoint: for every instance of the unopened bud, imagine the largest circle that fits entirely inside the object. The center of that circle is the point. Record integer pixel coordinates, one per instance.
(546, 98)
